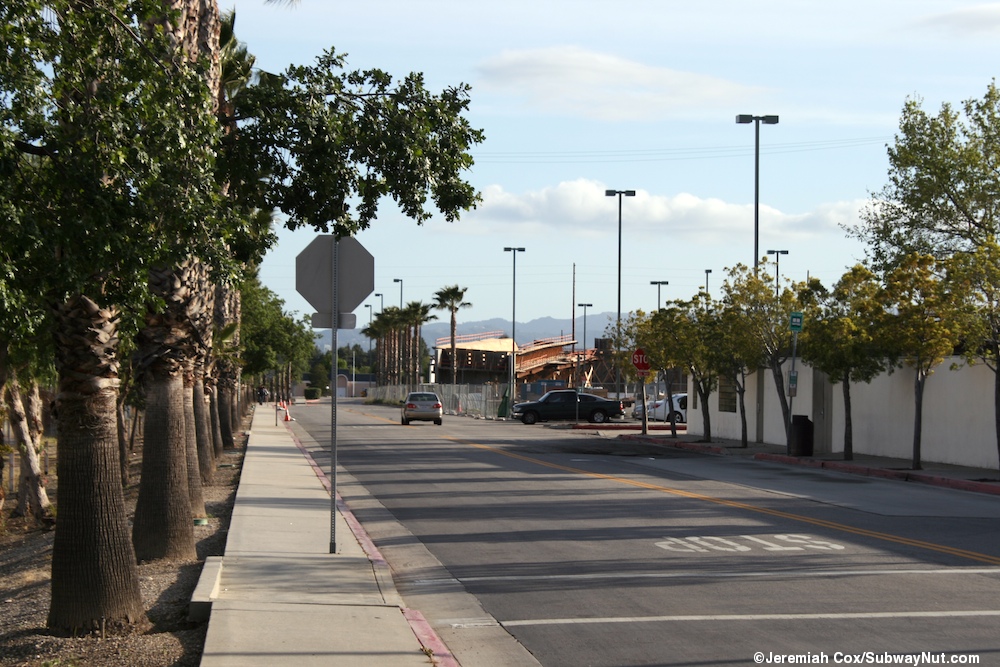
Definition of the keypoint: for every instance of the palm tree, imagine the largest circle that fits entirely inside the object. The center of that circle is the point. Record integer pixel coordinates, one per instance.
(450, 299)
(388, 324)
(94, 572)
(415, 316)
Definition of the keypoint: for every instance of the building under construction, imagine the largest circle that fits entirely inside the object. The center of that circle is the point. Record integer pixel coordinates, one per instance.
(484, 358)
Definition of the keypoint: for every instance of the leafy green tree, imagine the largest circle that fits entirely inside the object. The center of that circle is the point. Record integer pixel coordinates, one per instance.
(736, 355)
(943, 179)
(111, 154)
(926, 325)
(764, 317)
(685, 331)
(660, 354)
(106, 155)
(941, 200)
(980, 271)
(325, 145)
(844, 337)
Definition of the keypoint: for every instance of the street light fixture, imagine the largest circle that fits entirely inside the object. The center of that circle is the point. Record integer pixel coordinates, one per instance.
(777, 263)
(382, 299)
(400, 281)
(618, 322)
(707, 271)
(744, 119)
(658, 283)
(513, 329)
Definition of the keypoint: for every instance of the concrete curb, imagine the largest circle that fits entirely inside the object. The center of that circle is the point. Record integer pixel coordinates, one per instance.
(884, 473)
(689, 446)
(992, 488)
(206, 591)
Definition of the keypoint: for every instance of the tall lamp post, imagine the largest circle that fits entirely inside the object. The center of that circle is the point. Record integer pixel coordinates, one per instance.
(618, 322)
(777, 264)
(659, 284)
(400, 281)
(707, 271)
(585, 306)
(382, 299)
(513, 328)
(744, 119)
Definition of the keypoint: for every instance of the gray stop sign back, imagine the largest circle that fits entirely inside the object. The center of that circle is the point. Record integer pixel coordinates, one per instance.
(314, 278)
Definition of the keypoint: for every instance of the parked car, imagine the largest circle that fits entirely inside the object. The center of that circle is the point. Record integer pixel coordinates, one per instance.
(421, 406)
(658, 409)
(568, 404)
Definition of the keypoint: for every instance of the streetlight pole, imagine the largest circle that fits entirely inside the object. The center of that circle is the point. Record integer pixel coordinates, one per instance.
(618, 322)
(585, 306)
(744, 119)
(777, 264)
(400, 281)
(658, 283)
(513, 328)
(707, 271)
(382, 299)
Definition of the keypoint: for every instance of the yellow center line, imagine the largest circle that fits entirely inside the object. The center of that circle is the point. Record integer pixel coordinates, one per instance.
(832, 525)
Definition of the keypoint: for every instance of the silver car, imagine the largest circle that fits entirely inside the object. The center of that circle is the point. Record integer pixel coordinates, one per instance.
(421, 406)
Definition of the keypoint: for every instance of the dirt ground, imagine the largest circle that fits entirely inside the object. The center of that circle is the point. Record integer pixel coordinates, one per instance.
(25, 566)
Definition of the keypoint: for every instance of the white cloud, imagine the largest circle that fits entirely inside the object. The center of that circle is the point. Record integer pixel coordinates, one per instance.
(978, 20)
(581, 207)
(571, 81)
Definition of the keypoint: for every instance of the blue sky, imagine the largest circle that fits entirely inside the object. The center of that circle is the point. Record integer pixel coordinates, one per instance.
(576, 97)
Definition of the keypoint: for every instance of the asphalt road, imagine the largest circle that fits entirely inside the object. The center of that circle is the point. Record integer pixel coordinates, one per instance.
(595, 551)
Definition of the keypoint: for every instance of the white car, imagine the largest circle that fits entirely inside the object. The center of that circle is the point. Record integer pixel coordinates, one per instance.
(421, 406)
(658, 409)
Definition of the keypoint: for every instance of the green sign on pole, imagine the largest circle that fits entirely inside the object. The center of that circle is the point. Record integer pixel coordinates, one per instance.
(795, 322)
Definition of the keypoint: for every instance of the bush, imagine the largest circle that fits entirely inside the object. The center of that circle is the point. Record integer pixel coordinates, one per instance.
(312, 393)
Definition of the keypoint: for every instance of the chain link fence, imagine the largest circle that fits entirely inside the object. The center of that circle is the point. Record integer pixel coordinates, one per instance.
(482, 401)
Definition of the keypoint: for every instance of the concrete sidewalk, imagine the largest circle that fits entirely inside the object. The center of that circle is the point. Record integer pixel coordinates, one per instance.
(279, 597)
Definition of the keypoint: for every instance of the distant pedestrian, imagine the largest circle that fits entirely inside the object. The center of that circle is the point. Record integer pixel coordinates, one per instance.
(261, 394)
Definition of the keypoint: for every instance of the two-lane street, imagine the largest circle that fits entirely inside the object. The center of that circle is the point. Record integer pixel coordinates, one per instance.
(591, 550)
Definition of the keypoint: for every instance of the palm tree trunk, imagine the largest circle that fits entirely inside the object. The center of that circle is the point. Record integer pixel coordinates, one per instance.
(123, 446)
(214, 420)
(95, 581)
(191, 448)
(203, 433)
(163, 526)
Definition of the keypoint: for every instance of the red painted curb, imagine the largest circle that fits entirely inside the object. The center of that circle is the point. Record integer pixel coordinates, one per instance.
(439, 654)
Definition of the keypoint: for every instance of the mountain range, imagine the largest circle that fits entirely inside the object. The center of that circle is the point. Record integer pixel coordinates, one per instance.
(543, 327)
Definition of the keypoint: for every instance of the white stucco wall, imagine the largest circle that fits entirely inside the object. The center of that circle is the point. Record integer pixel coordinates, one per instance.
(958, 414)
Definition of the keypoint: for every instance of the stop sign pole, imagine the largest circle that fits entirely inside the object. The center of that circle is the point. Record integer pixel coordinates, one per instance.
(333, 275)
(641, 363)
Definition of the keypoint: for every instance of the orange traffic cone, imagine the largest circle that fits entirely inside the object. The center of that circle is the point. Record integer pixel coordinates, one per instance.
(288, 417)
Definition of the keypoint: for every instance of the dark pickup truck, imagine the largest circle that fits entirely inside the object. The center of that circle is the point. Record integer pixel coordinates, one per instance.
(568, 404)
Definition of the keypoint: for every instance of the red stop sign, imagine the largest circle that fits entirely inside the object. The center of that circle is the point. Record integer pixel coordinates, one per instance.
(639, 360)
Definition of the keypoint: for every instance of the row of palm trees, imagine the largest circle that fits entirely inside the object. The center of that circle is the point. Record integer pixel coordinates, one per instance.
(397, 335)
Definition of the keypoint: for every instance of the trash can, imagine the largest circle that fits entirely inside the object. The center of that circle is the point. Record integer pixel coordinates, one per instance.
(800, 437)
